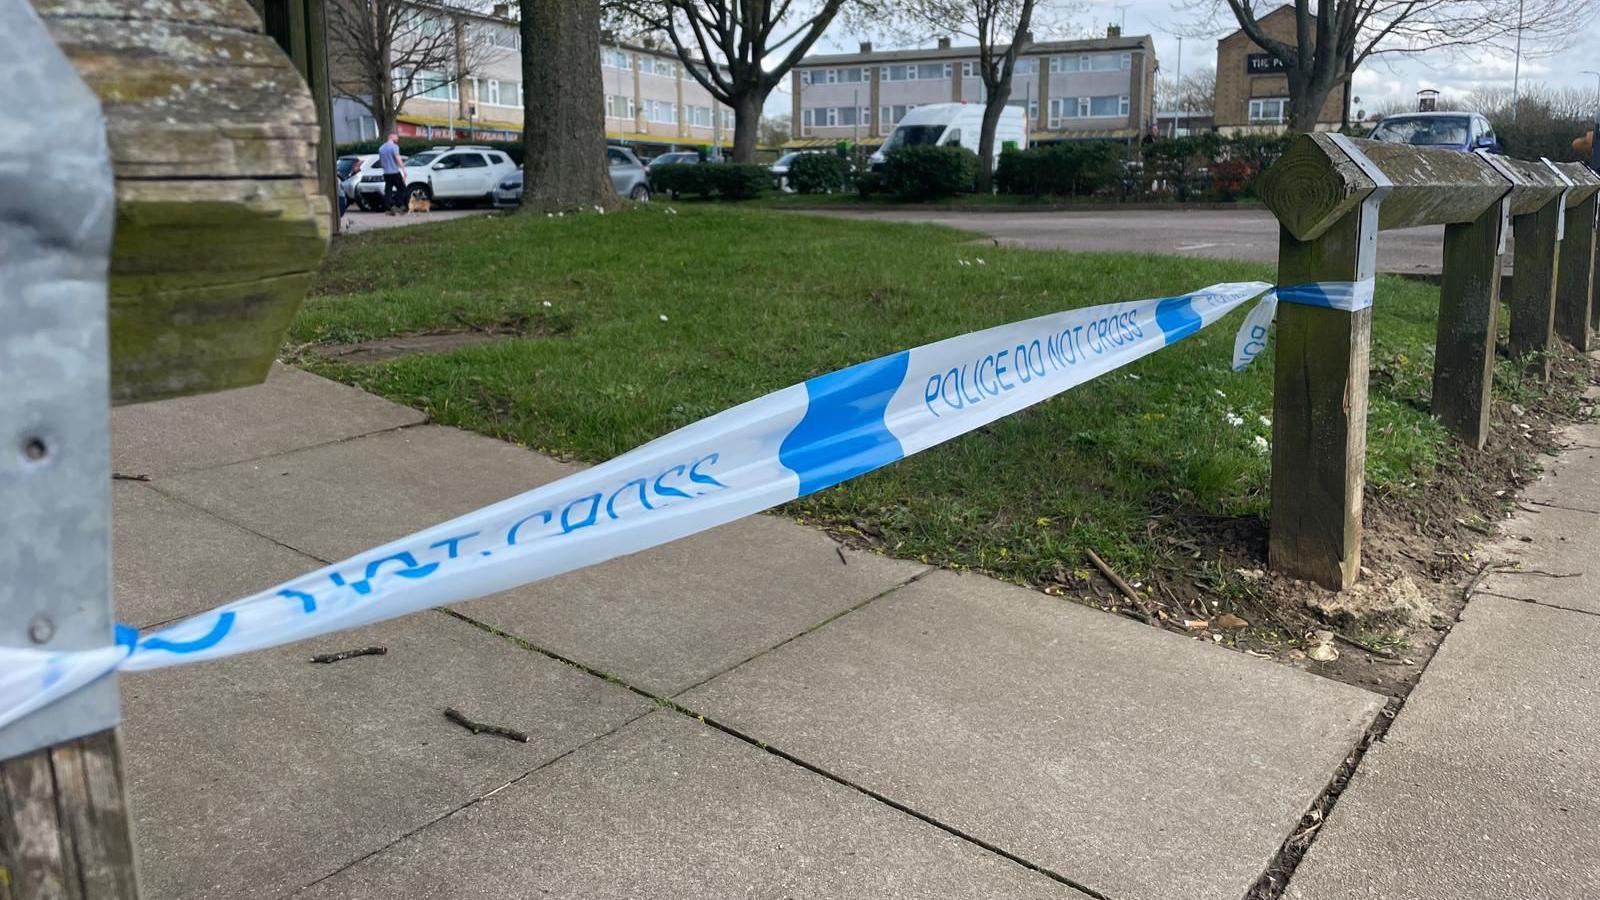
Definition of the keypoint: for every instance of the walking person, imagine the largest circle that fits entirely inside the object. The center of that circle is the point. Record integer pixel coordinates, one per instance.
(394, 175)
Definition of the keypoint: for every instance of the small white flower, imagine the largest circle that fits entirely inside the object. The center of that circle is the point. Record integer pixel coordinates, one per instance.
(981, 262)
(1265, 422)
(1132, 377)
(547, 303)
(1232, 419)
(1219, 393)
(1261, 444)
(549, 215)
(663, 317)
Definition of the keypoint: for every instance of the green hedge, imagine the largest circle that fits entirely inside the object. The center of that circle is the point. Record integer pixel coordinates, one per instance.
(726, 181)
(411, 146)
(929, 173)
(819, 173)
(1078, 168)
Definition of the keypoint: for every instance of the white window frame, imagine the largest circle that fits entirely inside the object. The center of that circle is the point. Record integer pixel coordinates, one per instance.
(967, 69)
(1033, 109)
(1057, 65)
(1126, 61)
(833, 117)
(1084, 107)
(805, 77)
(830, 76)
(1257, 110)
(494, 92)
(1123, 105)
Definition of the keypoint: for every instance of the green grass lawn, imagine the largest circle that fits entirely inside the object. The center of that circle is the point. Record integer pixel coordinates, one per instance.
(643, 321)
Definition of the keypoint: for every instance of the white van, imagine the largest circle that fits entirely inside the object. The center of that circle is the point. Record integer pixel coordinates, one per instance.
(942, 124)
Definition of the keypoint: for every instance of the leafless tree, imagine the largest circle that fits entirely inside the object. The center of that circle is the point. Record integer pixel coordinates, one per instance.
(563, 108)
(750, 45)
(385, 52)
(1332, 38)
(1002, 30)
(1197, 93)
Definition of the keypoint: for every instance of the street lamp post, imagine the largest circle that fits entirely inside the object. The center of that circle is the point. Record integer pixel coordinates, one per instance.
(1183, 104)
(1516, 71)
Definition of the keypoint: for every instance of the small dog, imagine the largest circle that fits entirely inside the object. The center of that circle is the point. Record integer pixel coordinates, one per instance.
(420, 203)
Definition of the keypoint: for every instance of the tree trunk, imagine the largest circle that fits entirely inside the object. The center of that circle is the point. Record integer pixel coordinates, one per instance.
(998, 96)
(747, 126)
(564, 108)
(1306, 99)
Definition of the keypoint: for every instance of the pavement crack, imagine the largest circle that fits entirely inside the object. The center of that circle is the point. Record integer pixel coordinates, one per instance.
(1576, 509)
(664, 702)
(1536, 602)
(461, 807)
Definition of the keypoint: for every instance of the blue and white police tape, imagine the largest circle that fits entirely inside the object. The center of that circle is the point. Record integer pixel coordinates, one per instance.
(746, 459)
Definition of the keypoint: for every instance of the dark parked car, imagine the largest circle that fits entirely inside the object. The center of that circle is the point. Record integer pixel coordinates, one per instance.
(677, 157)
(1445, 130)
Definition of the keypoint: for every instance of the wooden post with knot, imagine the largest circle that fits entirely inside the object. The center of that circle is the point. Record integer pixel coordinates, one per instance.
(179, 275)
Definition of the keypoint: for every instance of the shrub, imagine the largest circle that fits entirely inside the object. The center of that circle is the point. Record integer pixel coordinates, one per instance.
(929, 173)
(869, 183)
(1230, 178)
(1062, 170)
(819, 173)
(734, 181)
(727, 181)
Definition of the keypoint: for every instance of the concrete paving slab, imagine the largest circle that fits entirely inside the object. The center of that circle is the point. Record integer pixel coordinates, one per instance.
(1544, 542)
(662, 620)
(1570, 479)
(1138, 763)
(1488, 785)
(155, 543)
(253, 776)
(670, 808)
(293, 409)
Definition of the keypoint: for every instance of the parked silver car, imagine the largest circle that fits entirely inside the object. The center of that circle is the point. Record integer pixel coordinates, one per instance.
(628, 176)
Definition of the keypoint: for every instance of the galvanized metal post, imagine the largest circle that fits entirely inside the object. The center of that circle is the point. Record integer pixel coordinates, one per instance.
(63, 819)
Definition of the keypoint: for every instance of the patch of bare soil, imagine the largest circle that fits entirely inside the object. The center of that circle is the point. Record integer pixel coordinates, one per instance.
(409, 345)
(511, 326)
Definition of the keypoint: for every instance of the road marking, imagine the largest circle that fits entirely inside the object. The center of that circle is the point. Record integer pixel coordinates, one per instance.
(1194, 247)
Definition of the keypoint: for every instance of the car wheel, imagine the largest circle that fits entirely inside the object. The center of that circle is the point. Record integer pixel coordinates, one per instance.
(639, 194)
(365, 204)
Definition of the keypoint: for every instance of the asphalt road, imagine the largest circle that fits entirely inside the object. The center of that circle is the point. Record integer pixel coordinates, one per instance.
(1221, 233)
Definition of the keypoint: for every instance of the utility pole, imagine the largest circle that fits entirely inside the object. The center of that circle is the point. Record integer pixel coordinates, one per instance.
(1516, 71)
(1183, 96)
(1594, 149)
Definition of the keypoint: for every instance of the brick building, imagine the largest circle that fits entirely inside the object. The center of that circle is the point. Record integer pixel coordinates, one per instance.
(1252, 91)
(1098, 88)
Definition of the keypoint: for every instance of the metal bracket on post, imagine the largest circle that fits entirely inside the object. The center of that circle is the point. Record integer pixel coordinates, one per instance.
(1505, 172)
(1367, 256)
(1561, 202)
(56, 213)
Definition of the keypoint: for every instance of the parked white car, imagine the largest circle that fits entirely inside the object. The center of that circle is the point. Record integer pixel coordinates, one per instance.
(461, 174)
(954, 124)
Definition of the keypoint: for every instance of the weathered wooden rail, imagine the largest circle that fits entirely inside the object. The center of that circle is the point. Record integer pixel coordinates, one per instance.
(1332, 196)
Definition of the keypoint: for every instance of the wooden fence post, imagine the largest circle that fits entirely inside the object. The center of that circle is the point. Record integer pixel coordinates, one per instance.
(220, 228)
(1575, 280)
(1322, 190)
(1536, 212)
(1469, 303)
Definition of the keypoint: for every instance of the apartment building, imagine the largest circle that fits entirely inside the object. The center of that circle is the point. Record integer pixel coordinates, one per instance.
(1252, 89)
(650, 100)
(1096, 88)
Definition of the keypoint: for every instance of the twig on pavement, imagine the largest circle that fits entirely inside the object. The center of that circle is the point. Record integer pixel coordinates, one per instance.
(457, 717)
(349, 654)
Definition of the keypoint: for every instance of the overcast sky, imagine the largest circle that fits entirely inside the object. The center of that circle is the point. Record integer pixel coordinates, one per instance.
(1382, 77)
